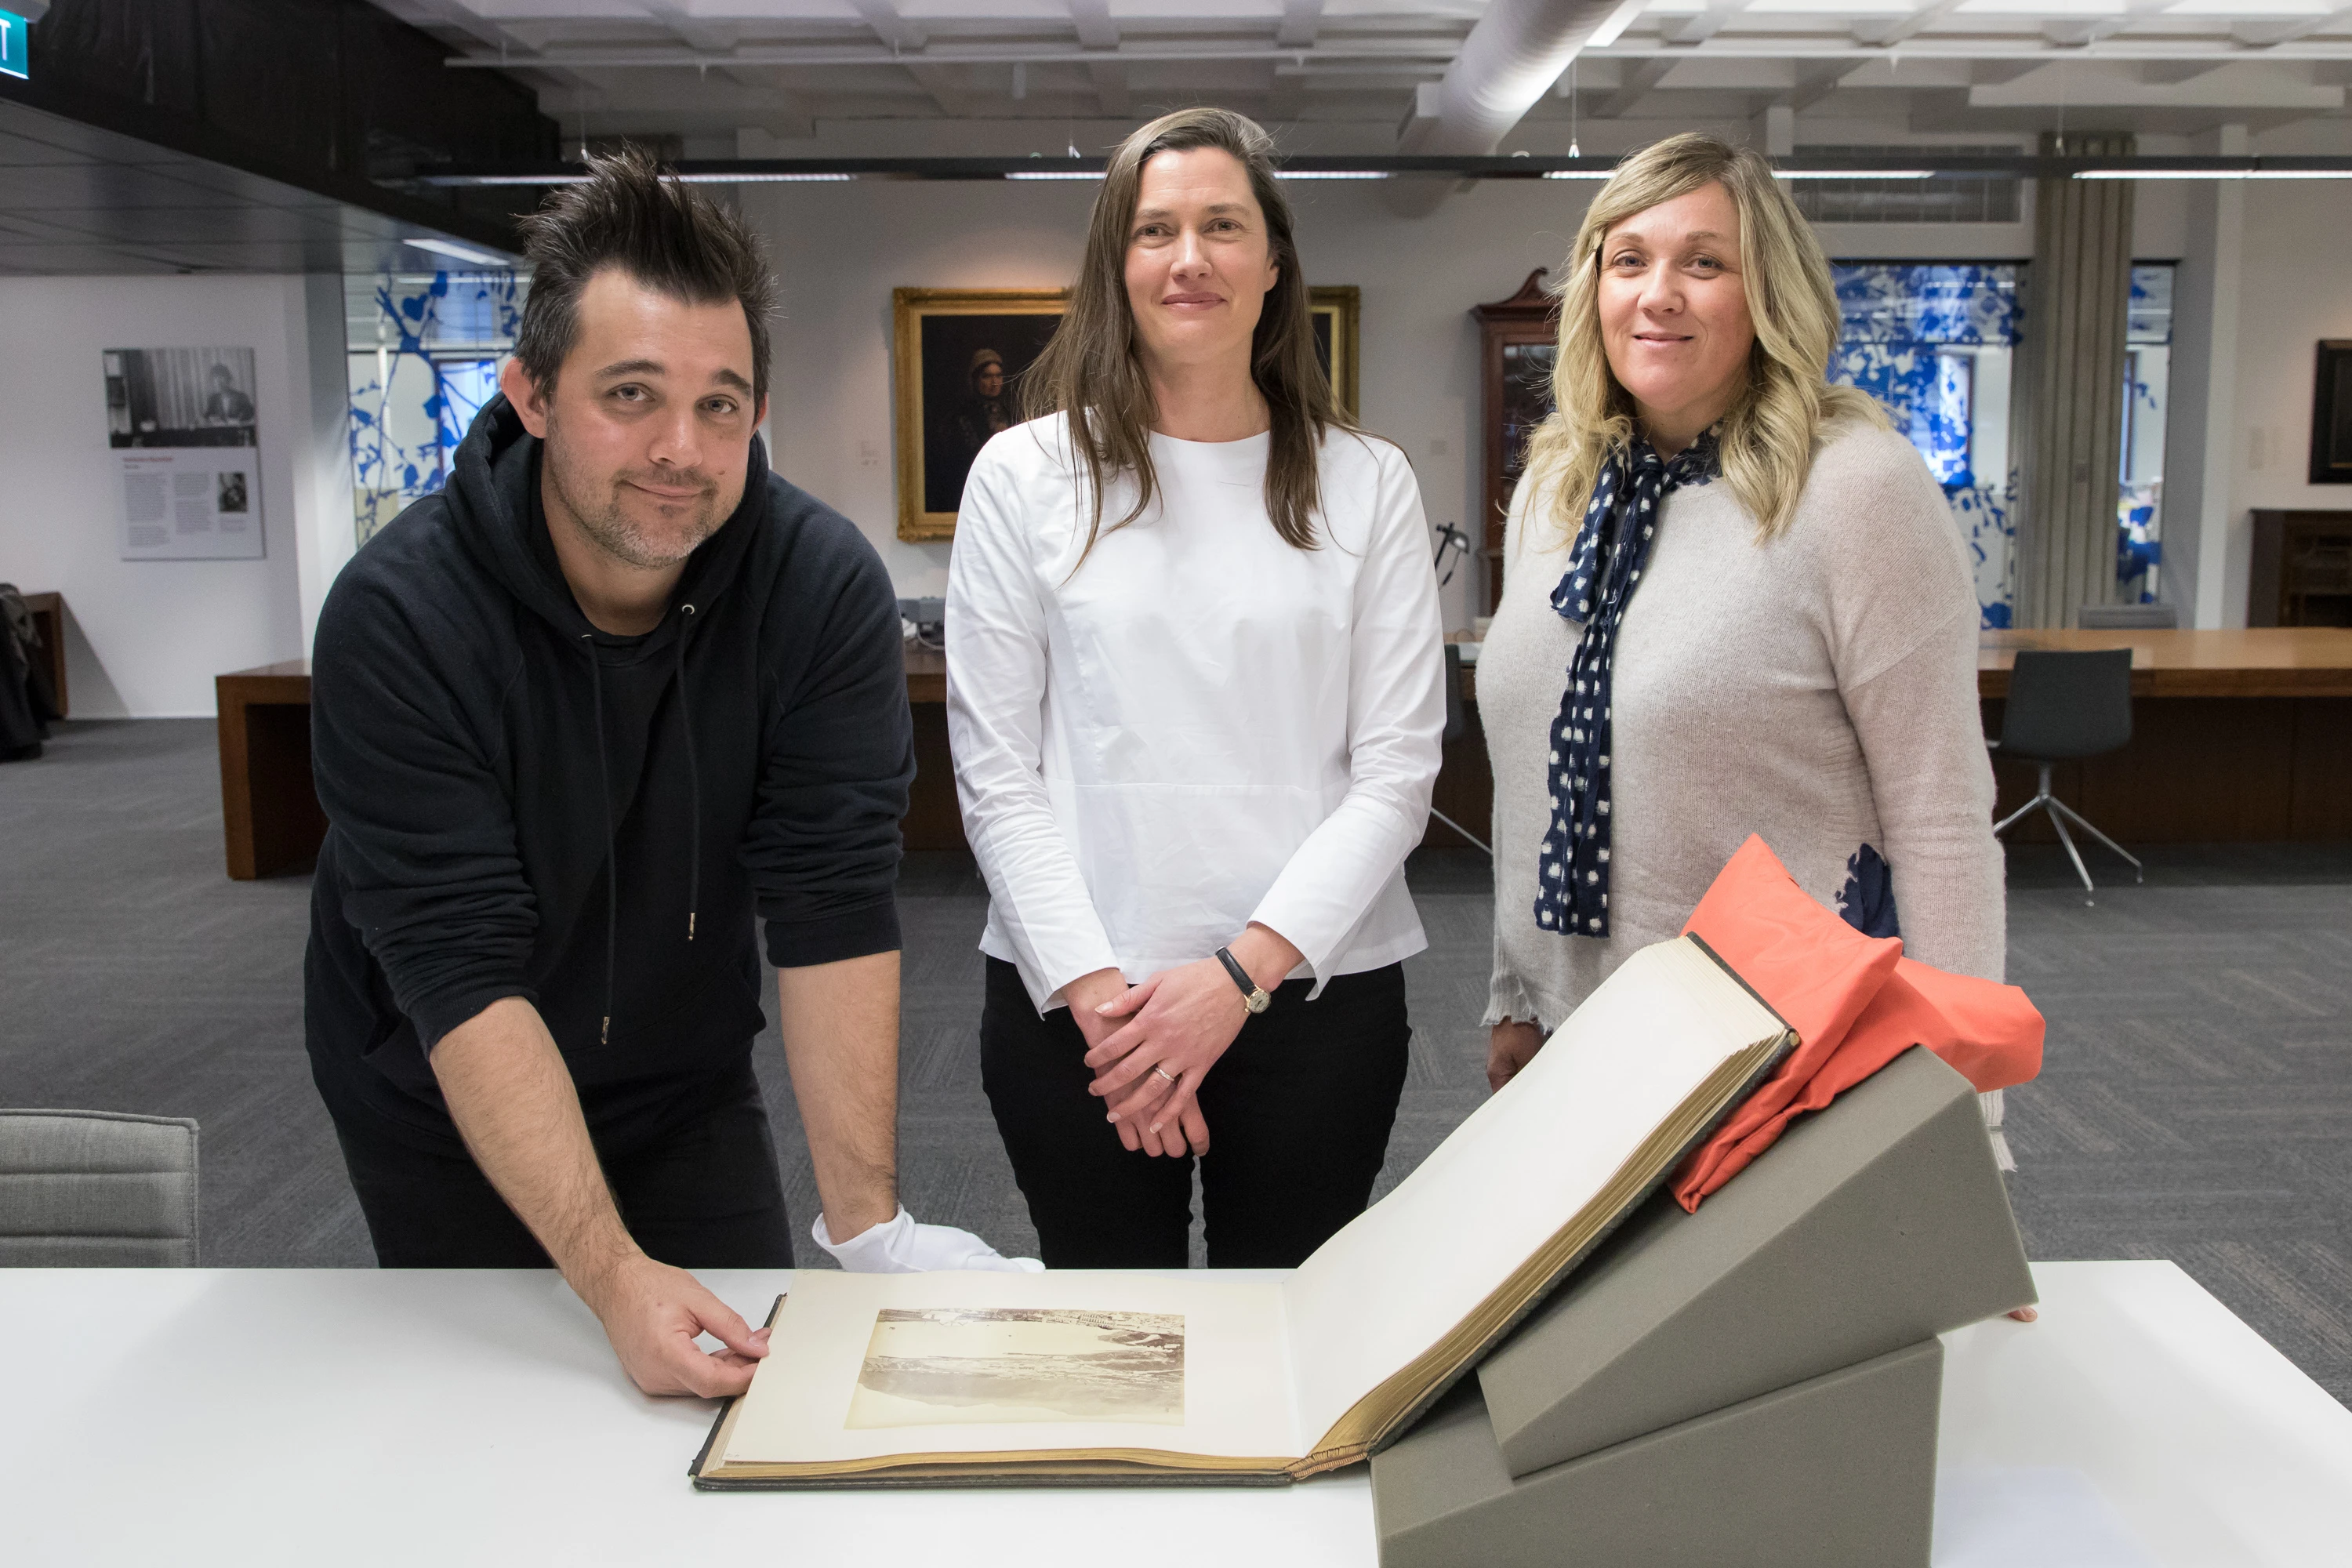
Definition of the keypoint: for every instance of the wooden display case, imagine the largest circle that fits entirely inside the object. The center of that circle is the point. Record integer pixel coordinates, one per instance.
(1519, 338)
(2301, 574)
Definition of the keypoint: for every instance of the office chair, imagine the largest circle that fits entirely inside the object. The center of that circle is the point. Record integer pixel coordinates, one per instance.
(94, 1189)
(2063, 706)
(1456, 720)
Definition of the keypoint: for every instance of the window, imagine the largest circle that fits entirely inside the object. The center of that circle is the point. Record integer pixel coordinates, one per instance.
(2148, 366)
(1933, 343)
(425, 351)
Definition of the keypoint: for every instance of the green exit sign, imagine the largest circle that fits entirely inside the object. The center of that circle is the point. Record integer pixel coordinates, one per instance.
(11, 46)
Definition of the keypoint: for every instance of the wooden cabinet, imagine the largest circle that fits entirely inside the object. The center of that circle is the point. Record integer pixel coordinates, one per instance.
(49, 625)
(1519, 338)
(2301, 574)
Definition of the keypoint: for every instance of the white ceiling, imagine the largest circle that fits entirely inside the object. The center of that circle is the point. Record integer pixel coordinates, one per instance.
(768, 78)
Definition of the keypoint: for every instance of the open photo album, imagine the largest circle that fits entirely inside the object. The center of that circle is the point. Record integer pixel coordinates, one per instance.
(1076, 1376)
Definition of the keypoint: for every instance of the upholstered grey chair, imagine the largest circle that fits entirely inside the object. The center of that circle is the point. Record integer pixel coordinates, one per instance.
(96, 1189)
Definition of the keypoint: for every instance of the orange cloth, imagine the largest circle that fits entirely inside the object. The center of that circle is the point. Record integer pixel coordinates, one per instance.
(1855, 1003)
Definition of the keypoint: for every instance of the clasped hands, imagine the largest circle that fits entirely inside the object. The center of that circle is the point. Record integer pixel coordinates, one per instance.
(1150, 1045)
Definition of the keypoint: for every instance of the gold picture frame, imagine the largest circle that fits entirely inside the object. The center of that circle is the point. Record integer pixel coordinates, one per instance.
(946, 403)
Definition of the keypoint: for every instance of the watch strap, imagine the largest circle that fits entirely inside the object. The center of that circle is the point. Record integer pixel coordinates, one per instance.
(1253, 996)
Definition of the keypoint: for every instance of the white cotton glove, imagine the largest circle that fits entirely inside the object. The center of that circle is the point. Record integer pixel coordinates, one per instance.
(902, 1246)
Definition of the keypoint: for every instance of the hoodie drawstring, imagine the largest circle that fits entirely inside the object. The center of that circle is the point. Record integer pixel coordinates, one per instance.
(604, 788)
(612, 857)
(694, 783)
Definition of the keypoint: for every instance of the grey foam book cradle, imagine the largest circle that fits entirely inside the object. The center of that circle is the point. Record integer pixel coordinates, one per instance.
(1755, 1383)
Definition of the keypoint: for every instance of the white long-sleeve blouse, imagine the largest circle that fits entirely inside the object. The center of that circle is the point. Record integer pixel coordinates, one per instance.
(1200, 726)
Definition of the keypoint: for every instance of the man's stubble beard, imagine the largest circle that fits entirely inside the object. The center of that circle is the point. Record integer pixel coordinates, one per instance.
(608, 526)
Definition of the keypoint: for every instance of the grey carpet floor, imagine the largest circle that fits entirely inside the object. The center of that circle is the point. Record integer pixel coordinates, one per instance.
(2196, 1103)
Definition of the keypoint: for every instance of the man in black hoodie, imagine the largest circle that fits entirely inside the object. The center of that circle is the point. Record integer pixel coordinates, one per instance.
(576, 720)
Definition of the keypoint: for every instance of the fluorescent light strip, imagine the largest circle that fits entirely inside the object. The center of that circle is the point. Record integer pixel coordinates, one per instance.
(756, 179)
(517, 180)
(1578, 173)
(459, 252)
(2213, 174)
(1056, 174)
(1331, 173)
(1853, 174)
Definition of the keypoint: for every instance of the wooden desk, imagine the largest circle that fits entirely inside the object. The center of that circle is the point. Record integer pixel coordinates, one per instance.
(50, 624)
(2236, 736)
(2270, 661)
(269, 811)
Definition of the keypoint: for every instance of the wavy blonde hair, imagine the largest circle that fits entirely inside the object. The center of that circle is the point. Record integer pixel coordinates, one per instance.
(1776, 423)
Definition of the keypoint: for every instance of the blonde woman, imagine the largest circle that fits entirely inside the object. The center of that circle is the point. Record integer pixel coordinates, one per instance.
(1195, 700)
(1734, 602)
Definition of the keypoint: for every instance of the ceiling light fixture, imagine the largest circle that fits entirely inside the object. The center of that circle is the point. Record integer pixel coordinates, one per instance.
(1853, 174)
(456, 252)
(1578, 173)
(723, 179)
(2213, 173)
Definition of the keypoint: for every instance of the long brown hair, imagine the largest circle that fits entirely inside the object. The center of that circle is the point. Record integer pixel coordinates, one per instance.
(1780, 417)
(1089, 371)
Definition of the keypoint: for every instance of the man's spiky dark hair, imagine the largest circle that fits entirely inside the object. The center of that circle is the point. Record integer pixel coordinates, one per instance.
(658, 230)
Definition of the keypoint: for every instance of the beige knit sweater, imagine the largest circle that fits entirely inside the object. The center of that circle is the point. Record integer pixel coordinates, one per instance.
(1819, 690)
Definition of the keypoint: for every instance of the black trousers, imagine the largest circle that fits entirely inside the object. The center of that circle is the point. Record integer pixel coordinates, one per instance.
(1298, 1108)
(702, 1195)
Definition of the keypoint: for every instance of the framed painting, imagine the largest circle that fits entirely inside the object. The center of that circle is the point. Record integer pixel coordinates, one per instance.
(2331, 414)
(958, 356)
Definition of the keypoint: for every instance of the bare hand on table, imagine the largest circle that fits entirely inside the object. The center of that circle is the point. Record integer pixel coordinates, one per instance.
(1511, 1046)
(651, 1313)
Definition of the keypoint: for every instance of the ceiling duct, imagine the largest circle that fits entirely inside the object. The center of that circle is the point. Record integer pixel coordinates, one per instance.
(1516, 52)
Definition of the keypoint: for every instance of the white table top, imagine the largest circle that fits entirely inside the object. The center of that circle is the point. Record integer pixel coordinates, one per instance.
(258, 1415)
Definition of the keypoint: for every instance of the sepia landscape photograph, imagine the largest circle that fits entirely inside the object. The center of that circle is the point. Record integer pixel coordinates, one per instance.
(970, 1366)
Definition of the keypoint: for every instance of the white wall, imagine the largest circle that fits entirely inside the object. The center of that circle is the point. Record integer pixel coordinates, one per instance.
(2295, 279)
(841, 248)
(146, 637)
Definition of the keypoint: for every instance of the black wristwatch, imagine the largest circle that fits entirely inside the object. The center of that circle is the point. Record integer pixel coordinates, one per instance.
(1253, 996)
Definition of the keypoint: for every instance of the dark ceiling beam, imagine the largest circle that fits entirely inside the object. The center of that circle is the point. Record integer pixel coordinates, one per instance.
(325, 141)
(1937, 161)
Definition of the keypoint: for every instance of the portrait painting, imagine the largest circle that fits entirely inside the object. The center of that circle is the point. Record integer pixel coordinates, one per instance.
(959, 356)
(2331, 414)
(967, 1365)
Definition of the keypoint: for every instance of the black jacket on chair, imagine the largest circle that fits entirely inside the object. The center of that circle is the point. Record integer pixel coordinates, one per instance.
(522, 805)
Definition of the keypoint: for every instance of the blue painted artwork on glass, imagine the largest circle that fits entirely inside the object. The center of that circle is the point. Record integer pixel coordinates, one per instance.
(1933, 344)
(424, 349)
(2148, 367)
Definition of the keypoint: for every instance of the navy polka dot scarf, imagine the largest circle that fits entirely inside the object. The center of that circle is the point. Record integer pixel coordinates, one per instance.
(1604, 570)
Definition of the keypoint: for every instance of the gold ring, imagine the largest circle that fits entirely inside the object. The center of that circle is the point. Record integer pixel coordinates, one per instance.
(1171, 1082)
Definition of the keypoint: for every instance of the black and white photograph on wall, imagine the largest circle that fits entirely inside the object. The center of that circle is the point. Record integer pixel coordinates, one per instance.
(182, 427)
(958, 355)
(179, 397)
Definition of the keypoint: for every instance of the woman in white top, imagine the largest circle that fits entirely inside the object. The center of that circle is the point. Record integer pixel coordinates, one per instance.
(1195, 696)
(1734, 602)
